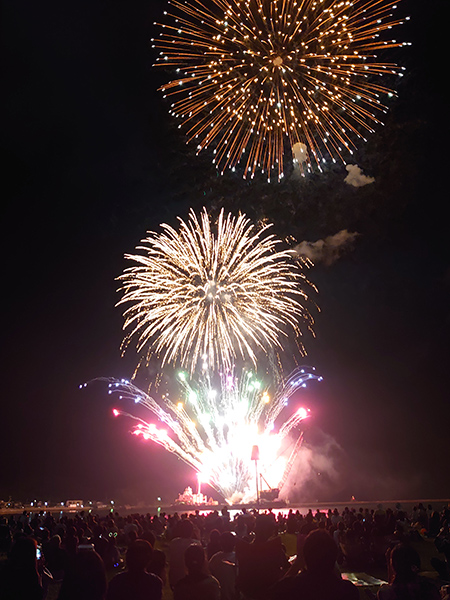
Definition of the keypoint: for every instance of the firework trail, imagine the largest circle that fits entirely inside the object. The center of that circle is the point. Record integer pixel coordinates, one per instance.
(253, 75)
(210, 293)
(218, 420)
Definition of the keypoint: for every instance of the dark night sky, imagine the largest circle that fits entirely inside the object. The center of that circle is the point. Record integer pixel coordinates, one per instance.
(93, 160)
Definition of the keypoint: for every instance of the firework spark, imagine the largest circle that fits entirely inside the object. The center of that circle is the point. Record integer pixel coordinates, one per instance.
(216, 423)
(210, 293)
(254, 74)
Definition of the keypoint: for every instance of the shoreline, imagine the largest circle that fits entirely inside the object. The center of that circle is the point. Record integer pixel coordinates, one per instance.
(303, 507)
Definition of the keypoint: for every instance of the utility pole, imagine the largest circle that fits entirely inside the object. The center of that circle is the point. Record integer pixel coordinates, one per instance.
(255, 457)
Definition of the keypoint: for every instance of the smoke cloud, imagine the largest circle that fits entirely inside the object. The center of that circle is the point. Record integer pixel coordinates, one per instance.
(329, 250)
(324, 472)
(356, 178)
(300, 152)
(320, 472)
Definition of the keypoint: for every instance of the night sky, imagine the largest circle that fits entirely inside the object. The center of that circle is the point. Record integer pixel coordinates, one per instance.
(92, 160)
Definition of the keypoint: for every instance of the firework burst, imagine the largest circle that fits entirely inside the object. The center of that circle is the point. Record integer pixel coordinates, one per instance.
(255, 75)
(217, 421)
(212, 293)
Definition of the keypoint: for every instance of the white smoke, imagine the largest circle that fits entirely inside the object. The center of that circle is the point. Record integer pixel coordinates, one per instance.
(300, 152)
(324, 471)
(356, 178)
(320, 470)
(328, 250)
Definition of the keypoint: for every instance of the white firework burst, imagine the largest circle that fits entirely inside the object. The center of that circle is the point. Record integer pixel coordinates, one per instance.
(213, 292)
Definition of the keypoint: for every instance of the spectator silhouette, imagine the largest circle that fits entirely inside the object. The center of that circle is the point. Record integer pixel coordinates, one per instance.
(158, 565)
(158, 562)
(136, 583)
(71, 542)
(442, 543)
(433, 524)
(20, 579)
(111, 556)
(197, 584)
(404, 566)
(131, 529)
(5, 536)
(223, 566)
(55, 557)
(261, 563)
(177, 548)
(85, 578)
(320, 580)
(289, 537)
(100, 541)
(213, 544)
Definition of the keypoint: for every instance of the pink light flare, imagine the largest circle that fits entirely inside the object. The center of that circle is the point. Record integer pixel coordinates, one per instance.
(304, 413)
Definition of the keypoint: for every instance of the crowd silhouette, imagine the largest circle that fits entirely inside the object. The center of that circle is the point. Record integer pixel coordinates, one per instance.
(256, 555)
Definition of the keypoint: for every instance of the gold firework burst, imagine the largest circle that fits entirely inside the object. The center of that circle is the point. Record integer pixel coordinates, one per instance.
(212, 292)
(253, 76)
